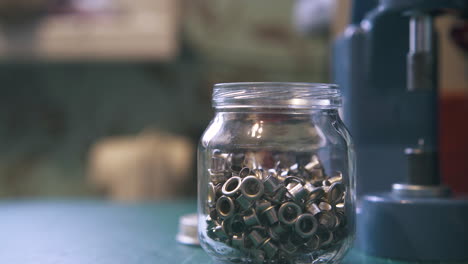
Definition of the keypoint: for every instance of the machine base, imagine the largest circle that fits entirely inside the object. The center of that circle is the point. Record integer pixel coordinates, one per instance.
(413, 229)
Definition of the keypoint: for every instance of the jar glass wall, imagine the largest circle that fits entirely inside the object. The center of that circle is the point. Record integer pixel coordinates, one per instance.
(276, 175)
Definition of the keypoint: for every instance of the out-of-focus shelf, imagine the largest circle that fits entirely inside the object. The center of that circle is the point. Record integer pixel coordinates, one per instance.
(139, 29)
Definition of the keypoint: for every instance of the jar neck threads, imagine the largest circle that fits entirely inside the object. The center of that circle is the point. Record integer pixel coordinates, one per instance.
(276, 95)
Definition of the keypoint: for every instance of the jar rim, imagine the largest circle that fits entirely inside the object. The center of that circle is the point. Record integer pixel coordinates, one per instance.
(278, 95)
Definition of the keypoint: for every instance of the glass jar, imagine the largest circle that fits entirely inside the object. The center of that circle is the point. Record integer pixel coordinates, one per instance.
(276, 177)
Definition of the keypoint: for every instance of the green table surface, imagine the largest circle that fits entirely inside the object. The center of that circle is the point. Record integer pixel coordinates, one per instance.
(81, 232)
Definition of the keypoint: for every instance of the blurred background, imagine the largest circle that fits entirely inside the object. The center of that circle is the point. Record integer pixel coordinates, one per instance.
(108, 98)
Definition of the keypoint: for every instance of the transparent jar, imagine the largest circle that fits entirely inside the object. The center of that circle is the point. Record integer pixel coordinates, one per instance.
(276, 177)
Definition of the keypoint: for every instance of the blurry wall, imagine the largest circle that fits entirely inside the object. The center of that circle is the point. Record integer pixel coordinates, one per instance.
(52, 114)
(87, 122)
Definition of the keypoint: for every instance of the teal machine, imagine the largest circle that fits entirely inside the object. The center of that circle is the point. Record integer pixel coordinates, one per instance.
(386, 64)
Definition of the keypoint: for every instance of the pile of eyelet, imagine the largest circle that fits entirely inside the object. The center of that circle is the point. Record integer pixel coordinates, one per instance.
(273, 214)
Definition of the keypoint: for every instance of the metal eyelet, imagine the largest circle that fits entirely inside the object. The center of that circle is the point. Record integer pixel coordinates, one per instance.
(269, 248)
(306, 225)
(231, 186)
(211, 198)
(256, 238)
(271, 184)
(337, 178)
(312, 208)
(252, 187)
(251, 219)
(225, 207)
(259, 211)
(336, 193)
(288, 212)
(270, 215)
(315, 194)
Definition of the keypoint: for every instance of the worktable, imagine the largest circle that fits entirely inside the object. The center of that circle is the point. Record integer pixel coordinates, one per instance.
(85, 231)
